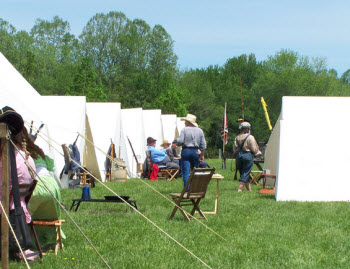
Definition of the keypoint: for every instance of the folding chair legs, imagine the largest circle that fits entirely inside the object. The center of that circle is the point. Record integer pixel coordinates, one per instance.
(172, 175)
(178, 206)
(196, 207)
(36, 239)
(195, 203)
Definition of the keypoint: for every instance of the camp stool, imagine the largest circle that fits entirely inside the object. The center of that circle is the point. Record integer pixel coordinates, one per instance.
(264, 190)
(58, 224)
(256, 175)
(168, 174)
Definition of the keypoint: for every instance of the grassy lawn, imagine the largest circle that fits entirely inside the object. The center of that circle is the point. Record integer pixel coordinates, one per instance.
(259, 232)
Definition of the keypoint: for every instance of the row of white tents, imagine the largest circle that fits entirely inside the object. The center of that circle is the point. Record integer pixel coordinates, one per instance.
(93, 126)
(307, 150)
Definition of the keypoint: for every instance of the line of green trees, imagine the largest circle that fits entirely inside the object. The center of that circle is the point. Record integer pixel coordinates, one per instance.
(116, 59)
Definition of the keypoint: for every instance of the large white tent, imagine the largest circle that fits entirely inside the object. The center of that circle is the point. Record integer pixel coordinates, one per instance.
(153, 125)
(169, 126)
(310, 165)
(16, 92)
(132, 129)
(104, 119)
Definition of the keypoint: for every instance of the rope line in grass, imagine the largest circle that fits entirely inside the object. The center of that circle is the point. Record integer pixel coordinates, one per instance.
(159, 228)
(144, 182)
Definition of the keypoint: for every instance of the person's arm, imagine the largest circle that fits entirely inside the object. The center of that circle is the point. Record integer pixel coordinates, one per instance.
(202, 142)
(202, 147)
(181, 138)
(235, 148)
(169, 152)
(253, 145)
(201, 156)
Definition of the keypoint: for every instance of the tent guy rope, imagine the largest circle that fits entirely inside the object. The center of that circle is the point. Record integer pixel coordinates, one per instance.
(150, 221)
(144, 182)
(63, 208)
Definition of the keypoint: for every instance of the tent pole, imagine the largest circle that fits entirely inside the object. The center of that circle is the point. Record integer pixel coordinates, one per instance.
(5, 196)
(224, 140)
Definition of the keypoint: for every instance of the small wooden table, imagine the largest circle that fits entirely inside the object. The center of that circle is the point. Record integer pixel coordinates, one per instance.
(216, 208)
(76, 202)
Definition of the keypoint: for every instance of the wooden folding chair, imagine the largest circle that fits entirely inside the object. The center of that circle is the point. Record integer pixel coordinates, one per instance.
(197, 185)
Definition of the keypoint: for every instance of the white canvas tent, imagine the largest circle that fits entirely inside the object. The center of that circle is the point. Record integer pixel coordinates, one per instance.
(153, 125)
(16, 92)
(169, 125)
(65, 116)
(271, 153)
(310, 163)
(180, 124)
(104, 119)
(132, 128)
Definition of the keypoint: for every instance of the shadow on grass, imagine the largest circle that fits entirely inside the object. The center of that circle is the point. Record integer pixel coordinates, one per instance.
(268, 196)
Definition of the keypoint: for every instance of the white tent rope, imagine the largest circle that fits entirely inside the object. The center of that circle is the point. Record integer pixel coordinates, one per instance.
(160, 229)
(188, 214)
(110, 158)
(63, 208)
(14, 235)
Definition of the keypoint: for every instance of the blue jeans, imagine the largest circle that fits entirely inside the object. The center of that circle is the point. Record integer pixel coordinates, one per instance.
(189, 158)
(244, 165)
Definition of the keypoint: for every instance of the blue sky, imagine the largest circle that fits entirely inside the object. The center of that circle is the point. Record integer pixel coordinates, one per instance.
(210, 32)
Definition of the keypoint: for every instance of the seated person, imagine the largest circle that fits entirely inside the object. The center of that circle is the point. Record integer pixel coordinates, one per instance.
(159, 157)
(24, 164)
(172, 153)
(165, 145)
(42, 206)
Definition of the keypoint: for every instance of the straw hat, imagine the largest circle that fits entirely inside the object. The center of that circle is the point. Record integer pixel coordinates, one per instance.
(191, 118)
(165, 142)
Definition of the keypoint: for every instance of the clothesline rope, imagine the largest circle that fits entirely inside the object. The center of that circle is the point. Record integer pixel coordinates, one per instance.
(144, 182)
(159, 228)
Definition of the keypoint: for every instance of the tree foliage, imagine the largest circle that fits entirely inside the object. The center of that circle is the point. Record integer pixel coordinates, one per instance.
(116, 59)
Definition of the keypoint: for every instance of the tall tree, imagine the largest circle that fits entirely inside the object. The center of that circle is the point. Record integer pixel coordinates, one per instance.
(7, 36)
(56, 51)
(86, 83)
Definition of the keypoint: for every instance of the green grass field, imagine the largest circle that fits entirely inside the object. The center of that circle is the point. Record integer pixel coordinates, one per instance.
(259, 232)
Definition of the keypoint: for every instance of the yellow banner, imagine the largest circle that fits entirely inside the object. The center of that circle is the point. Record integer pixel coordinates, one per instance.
(264, 105)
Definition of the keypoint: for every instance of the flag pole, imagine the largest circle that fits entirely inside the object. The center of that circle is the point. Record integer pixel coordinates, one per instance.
(240, 82)
(224, 140)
